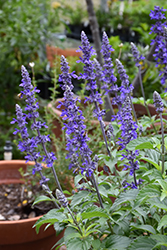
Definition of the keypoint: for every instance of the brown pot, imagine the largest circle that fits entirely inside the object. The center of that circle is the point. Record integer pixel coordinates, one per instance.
(19, 234)
(52, 52)
(140, 111)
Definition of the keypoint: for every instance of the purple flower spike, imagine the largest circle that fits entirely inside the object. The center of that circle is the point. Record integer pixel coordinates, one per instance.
(159, 28)
(128, 126)
(90, 76)
(158, 102)
(126, 88)
(75, 129)
(30, 114)
(61, 198)
(136, 55)
(108, 71)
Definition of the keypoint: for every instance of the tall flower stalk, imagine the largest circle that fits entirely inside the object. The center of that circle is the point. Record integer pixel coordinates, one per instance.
(159, 28)
(137, 59)
(30, 145)
(159, 108)
(75, 130)
(91, 85)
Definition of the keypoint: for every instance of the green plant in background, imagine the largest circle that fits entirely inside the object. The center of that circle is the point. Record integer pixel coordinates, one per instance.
(25, 30)
(74, 15)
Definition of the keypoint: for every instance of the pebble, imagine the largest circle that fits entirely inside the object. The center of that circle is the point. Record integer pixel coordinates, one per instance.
(14, 217)
(63, 248)
(32, 215)
(2, 217)
(11, 211)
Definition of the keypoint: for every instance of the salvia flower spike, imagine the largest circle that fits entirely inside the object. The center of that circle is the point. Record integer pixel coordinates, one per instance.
(61, 198)
(158, 102)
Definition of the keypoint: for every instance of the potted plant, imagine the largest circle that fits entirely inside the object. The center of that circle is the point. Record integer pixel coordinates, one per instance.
(135, 161)
(19, 234)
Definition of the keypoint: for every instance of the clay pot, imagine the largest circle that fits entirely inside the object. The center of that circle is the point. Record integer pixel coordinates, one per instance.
(52, 52)
(19, 234)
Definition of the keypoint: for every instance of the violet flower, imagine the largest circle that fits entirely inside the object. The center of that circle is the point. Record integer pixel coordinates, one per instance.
(109, 79)
(90, 76)
(128, 126)
(159, 29)
(158, 102)
(75, 128)
(128, 133)
(30, 145)
(136, 55)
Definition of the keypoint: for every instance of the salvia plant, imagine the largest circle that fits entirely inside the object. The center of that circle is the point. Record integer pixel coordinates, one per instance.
(120, 197)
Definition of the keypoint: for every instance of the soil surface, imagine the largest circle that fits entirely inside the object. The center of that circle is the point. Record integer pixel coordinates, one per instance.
(16, 202)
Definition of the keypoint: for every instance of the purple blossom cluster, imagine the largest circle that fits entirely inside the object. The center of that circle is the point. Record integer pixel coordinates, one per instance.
(159, 28)
(30, 144)
(128, 126)
(90, 76)
(158, 102)
(75, 128)
(136, 55)
(108, 72)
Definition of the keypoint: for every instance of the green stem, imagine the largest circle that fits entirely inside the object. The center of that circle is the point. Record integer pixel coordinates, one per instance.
(133, 109)
(163, 144)
(69, 210)
(142, 90)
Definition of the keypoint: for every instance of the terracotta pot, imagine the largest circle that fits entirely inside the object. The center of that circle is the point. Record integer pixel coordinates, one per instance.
(52, 52)
(19, 234)
(140, 111)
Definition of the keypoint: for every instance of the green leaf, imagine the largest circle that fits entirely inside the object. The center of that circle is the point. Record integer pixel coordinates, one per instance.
(145, 143)
(51, 217)
(154, 155)
(117, 242)
(151, 161)
(58, 227)
(41, 198)
(79, 244)
(149, 191)
(79, 197)
(96, 244)
(163, 222)
(111, 164)
(128, 195)
(95, 213)
(160, 205)
(162, 240)
(142, 243)
(163, 184)
(148, 228)
(102, 191)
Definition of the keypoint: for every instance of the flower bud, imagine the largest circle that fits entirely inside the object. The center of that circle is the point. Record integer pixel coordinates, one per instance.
(61, 198)
(158, 102)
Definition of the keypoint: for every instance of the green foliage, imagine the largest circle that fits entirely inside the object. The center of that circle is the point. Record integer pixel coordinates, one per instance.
(24, 32)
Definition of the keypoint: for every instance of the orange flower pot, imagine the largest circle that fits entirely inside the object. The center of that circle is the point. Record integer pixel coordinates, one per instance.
(19, 234)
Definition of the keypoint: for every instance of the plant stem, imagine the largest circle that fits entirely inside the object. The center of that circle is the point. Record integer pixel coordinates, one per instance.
(142, 90)
(103, 132)
(49, 192)
(110, 105)
(97, 191)
(163, 144)
(133, 109)
(69, 210)
(46, 153)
